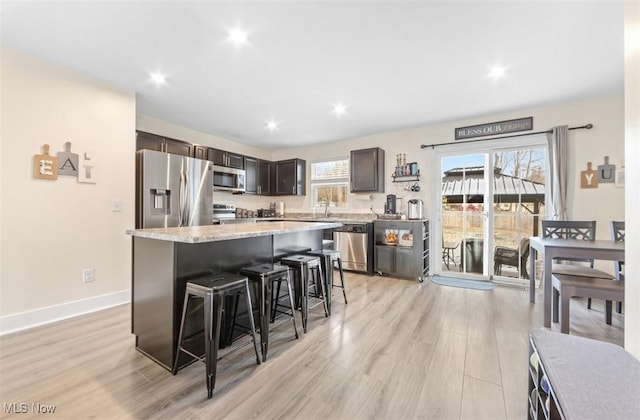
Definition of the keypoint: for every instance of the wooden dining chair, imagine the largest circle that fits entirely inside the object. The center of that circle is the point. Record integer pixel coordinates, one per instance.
(617, 235)
(574, 229)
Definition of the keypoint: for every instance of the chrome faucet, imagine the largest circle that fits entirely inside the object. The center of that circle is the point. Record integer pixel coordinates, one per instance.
(326, 208)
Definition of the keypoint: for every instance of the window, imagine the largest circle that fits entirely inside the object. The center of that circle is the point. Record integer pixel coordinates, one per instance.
(330, 183)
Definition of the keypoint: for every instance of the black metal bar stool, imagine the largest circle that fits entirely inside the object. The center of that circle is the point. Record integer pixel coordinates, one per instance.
(266, 275)
(330, 257)
(307, 267)
(213, 289)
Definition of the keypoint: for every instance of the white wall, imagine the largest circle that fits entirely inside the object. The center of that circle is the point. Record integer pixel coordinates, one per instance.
(605, 139)
(632, 151)
(52, 230)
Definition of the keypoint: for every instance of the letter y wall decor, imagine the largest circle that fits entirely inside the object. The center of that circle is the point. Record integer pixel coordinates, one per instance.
(605, 174)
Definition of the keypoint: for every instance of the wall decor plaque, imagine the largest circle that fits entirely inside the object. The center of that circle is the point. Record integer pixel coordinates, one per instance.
(494, 128)
(87, 172)
(589, 177)
(606, 172)
(68, 161)
(45, 166)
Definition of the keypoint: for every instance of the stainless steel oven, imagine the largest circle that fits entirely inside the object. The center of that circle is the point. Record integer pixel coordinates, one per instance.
(354, 240)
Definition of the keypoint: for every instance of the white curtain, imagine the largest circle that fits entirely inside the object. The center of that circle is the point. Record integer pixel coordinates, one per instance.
(558, 141)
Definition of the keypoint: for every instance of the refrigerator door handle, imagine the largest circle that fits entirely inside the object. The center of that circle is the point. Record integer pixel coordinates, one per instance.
(182, 204)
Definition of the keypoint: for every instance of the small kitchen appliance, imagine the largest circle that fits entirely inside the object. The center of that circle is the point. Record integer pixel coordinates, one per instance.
(414, 209)
(266, 213)
(390, 206)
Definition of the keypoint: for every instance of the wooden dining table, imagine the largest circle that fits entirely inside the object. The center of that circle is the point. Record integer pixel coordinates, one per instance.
(553, 248)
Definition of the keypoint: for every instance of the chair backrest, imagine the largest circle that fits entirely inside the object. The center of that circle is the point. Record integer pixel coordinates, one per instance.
(574, 229)
(617, 234)
(570, 229)
(617, 231)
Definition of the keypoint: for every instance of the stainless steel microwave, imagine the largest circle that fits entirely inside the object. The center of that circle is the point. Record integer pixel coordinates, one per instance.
(229, 179)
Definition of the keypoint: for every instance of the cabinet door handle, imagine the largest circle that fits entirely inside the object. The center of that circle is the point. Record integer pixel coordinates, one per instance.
(259, 189)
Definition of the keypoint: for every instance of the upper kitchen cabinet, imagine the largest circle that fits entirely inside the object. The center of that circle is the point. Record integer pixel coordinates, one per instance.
(251, 172)
(290, 177)
(223, 158)
(200, 152)
(259, 176)
(163, 144)
(367, 170)
(266, 177)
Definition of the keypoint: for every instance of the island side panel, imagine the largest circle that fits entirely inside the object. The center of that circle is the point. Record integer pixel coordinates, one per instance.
(153, 298)
(222, 256)
(292, 243)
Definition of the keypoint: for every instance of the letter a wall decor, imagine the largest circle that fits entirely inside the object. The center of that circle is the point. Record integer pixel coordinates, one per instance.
(68, 161)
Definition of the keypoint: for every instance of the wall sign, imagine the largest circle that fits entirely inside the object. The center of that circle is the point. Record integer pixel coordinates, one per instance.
(495, 128)
(589, 178)
(45, 166)
(68, 161)
(606, 172)
(65, 162)
(87, 173)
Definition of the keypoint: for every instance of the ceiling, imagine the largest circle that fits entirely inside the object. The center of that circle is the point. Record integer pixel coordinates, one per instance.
(394, 65)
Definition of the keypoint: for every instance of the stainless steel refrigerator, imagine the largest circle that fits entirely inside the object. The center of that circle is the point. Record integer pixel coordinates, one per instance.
(172, 190)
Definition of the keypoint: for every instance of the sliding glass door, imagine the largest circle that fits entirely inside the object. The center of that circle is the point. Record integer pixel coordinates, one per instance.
(491, 203)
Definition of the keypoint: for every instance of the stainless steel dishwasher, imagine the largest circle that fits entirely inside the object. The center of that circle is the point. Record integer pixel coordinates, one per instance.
(354, 240)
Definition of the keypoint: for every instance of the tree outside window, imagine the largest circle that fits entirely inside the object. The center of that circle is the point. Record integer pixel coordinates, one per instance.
(330, 183)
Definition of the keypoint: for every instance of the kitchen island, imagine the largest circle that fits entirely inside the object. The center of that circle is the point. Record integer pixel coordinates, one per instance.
(164, 259)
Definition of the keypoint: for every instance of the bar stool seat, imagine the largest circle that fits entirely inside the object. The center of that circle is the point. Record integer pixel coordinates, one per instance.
(306, 268)
(213, 289)
(266, 275)
(331, 257)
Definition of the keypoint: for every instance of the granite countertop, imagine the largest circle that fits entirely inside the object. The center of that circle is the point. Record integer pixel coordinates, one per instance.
(330, 219)
(340, 218)
(212, 233)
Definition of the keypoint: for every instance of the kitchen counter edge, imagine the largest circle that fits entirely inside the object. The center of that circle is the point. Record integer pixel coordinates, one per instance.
(212, 233)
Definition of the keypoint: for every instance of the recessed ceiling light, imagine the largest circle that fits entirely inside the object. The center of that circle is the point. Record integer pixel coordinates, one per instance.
(158, 78)
(238, 36)
(497, 72)
(272, 125)
(339, 109)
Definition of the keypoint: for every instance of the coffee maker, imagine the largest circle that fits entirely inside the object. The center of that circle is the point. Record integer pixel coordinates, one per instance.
(390, 205)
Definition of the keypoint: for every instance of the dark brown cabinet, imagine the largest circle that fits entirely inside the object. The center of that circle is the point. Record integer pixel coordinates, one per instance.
(251, 172)
(259, 176)
(265, 177)
(224, 158)
(163, 144)
(178, 147)
(290, 177)
(199, 152)
(367, 170)
(402, 248)
(149, 141)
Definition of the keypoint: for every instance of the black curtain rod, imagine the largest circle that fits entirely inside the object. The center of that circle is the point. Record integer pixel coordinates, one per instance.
(586, 127)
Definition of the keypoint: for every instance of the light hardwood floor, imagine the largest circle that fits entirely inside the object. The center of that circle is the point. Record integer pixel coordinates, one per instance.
(398, 350)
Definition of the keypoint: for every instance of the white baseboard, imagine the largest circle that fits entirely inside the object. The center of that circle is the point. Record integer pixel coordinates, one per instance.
(30, 319)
